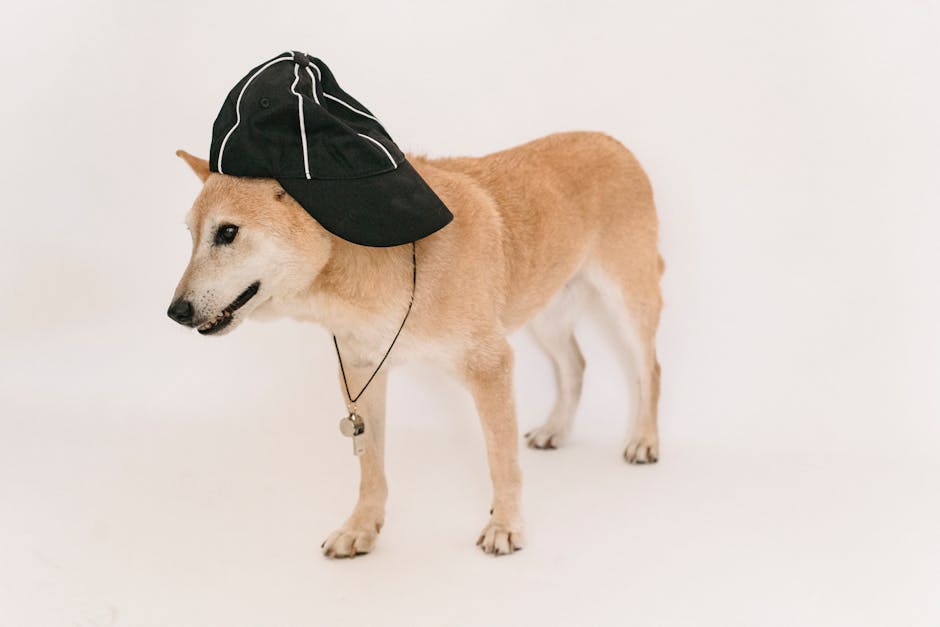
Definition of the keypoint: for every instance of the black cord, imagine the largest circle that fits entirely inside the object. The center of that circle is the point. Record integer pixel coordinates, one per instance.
(414, 284)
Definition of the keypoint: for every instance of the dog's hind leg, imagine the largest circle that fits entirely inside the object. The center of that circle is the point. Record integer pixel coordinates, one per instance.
(553, 329)
(488, 375)
(634, 307)
(360, 531)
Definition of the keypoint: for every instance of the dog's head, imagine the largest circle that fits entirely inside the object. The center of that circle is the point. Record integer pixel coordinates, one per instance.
(252, 244)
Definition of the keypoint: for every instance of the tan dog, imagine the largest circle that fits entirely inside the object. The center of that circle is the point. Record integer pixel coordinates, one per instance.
(536, 229)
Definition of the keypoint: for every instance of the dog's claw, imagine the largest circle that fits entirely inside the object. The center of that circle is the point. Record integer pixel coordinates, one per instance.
(544, 438)
(350, 542)
(642, 450)
(497, 539)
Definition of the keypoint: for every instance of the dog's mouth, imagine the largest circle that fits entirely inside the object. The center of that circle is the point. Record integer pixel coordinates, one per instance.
(225, 318)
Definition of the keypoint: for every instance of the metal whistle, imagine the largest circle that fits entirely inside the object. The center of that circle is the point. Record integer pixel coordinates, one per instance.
(352, 426)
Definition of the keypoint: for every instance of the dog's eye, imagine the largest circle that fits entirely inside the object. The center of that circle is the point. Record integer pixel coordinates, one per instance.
(226, 234)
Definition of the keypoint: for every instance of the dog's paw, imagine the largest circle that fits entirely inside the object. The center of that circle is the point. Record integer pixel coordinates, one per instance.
(499, 539)
(642, 449)
(544, 437)
(350, 542)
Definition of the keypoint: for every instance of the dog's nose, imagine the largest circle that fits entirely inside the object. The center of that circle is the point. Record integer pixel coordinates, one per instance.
(181, 311)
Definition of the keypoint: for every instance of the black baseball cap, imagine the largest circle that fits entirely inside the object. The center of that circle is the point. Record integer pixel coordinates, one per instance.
(288, 119)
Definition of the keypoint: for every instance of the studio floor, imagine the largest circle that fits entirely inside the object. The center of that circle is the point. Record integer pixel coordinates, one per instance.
(147, 511)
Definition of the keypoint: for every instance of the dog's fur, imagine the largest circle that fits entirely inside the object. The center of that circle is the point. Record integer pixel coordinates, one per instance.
(536, 228)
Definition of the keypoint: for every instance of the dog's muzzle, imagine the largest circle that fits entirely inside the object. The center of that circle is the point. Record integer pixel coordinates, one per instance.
(183, 312)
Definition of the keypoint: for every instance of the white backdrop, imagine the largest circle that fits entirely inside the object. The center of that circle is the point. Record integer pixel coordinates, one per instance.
(149, 477)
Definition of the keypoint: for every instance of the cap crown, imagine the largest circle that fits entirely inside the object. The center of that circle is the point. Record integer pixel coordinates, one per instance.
(288, 118)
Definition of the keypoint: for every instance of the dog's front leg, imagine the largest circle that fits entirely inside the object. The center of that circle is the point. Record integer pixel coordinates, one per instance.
(489, 377)
(360, 531)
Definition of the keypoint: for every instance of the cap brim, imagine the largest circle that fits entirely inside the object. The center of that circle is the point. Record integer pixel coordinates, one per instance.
(386, 209)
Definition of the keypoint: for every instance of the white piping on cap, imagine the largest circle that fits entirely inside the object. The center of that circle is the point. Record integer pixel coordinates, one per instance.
(300, 114)
(342, 102)
(238, 102)
(350, 107)
(313, 85)
(385, 150)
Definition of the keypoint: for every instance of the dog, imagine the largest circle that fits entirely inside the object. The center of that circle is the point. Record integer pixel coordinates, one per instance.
(537, 229)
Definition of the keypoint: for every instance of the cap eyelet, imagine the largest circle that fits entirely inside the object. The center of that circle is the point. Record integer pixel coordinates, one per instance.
(265, 103)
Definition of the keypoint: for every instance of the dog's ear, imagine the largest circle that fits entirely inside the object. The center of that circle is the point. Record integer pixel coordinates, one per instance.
(199, 166)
